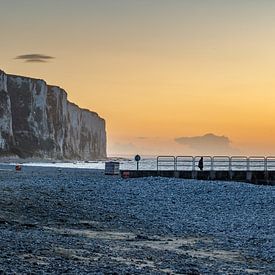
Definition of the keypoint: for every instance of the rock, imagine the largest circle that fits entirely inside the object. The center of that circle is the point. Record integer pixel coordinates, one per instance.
(37, 120)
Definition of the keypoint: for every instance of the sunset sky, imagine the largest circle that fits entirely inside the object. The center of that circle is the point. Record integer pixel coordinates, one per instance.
(156, 70)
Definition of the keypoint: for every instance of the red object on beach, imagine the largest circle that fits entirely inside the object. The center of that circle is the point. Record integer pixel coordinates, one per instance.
(126, 174)
(18, 167)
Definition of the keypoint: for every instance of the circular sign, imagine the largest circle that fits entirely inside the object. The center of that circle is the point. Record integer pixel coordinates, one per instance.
(137, 158)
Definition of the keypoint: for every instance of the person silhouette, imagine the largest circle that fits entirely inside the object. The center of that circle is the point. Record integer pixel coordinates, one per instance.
(200, 164)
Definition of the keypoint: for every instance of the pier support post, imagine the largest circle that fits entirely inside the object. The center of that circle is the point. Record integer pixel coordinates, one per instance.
(176, 174)
(248, 176)
(266, 178)
(212, 175)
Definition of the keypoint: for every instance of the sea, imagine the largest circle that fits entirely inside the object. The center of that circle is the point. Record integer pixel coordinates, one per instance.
(164, 163)
(224, 163)
(124, 164)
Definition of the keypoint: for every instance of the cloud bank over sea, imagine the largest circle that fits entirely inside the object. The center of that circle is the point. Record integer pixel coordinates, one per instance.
(208, 144)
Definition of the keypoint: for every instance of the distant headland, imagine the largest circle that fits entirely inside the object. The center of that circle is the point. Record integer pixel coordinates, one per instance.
(38, 121)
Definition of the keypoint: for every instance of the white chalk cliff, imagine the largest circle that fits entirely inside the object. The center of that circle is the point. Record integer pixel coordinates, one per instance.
(37, 120)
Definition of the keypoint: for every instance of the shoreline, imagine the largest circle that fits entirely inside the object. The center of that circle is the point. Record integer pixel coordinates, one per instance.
(15, 159)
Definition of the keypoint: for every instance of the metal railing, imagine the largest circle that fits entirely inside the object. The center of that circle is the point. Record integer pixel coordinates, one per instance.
(185, 162)
(222, 163)
(213, 163)
(166, 162)
(270, 163)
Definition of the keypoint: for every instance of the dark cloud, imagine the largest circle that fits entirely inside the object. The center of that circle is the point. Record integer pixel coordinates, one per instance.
(208, 144)
(36, 58)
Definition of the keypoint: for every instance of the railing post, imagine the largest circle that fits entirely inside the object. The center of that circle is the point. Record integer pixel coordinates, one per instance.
(212, 164)
(247, 164)
(157, 163)
(193, 163)
(230, 164)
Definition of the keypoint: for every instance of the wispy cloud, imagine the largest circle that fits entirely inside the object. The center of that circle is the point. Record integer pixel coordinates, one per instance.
(35, 58)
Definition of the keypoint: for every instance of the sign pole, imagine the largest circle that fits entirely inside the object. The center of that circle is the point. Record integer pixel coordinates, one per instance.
(137, 159)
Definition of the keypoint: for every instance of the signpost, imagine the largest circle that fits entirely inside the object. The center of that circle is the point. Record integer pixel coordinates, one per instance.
(137, 159)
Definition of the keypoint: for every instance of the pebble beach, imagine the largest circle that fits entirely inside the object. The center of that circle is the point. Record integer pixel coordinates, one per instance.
(80, 221)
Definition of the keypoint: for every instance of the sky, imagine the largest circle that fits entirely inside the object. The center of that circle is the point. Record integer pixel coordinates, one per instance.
(169, 77)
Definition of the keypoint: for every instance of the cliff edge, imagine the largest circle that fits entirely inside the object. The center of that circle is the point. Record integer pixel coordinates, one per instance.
(37, 120)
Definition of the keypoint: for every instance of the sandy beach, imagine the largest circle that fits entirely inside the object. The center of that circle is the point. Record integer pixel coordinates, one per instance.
(78, 221)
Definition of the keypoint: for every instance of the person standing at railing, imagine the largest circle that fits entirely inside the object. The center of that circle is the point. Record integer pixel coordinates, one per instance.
(200, 164)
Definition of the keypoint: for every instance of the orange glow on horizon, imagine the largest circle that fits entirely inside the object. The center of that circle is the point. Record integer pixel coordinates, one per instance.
(183, 70)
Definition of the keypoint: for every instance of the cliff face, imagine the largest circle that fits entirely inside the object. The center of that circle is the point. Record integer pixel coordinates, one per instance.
(37, 120)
